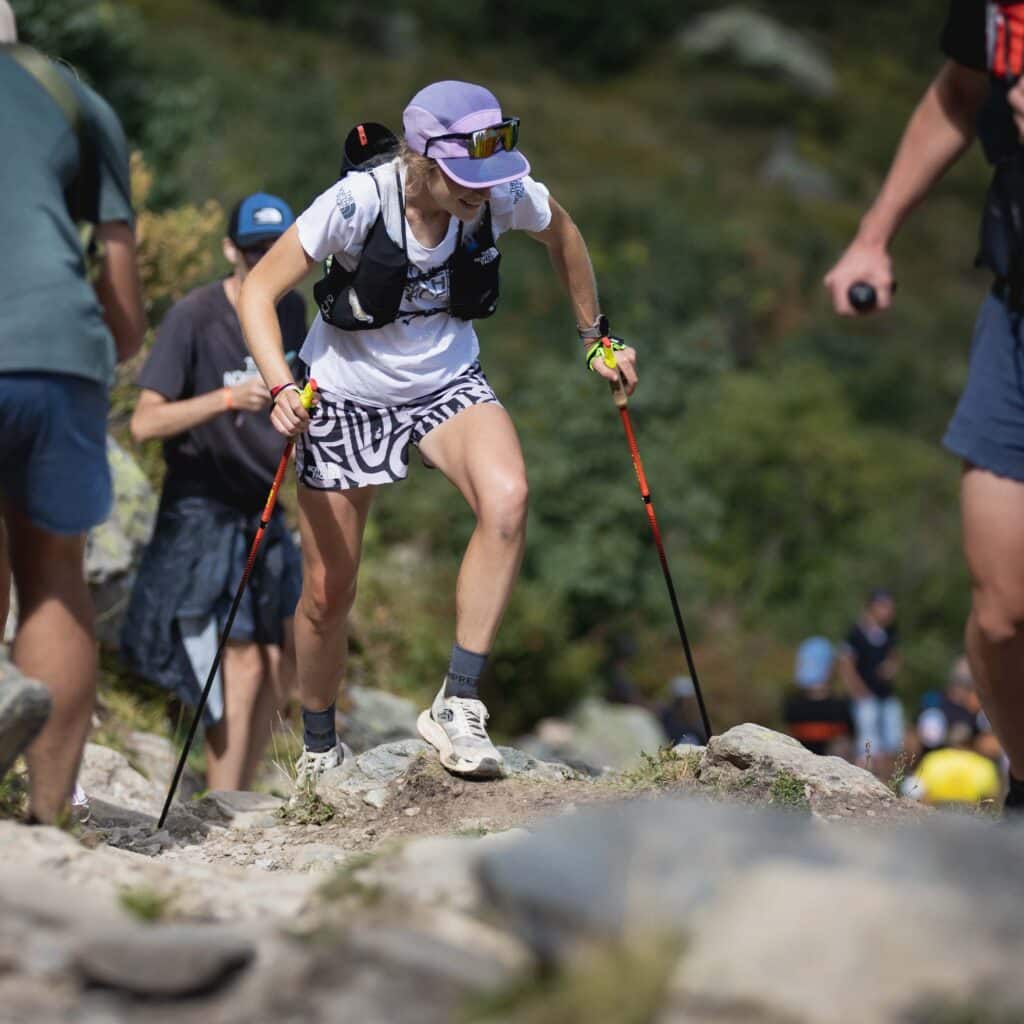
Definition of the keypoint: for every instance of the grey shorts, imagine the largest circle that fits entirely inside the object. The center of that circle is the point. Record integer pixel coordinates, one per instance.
(349, 445)
(987, 429)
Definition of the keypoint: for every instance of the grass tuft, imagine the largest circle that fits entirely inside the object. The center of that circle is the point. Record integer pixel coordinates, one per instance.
(145, 902)
(613, 984)
(663, 770)
(789, 791)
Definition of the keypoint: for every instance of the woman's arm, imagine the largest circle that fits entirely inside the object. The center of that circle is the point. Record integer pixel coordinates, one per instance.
(571, 260)
(283, 267)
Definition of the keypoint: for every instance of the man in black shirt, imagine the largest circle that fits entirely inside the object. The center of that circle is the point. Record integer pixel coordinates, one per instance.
(978, 90)
(868, 664)
(202, 394)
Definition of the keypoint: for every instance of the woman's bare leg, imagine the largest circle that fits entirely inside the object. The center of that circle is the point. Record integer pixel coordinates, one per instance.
(478, 450)
(331, 524)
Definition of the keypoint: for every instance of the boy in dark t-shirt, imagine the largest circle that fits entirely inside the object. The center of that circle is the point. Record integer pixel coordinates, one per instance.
(202, 394)
(820, 721)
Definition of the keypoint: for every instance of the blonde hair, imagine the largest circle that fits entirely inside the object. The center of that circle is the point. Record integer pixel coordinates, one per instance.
(418, 168)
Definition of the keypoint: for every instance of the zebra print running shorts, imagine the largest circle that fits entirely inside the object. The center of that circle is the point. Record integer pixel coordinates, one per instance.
(350, 445)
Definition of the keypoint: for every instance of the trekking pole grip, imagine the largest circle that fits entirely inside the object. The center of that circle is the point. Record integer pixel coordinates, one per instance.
(618, 390)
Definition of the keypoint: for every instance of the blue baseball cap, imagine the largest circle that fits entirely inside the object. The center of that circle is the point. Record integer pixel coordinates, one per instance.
(259, 218)
(814, 659)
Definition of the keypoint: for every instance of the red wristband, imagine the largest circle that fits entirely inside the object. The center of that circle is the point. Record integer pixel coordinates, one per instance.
(278, 388)
(229, 402)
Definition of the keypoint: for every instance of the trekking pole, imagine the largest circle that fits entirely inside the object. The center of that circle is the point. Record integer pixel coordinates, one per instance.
(308, 398)
(622, 404)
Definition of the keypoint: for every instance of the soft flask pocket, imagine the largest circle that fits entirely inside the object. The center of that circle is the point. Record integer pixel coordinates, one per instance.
(1002, 223)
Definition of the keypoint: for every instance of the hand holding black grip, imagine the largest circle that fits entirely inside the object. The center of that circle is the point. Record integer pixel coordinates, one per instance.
(862, 296)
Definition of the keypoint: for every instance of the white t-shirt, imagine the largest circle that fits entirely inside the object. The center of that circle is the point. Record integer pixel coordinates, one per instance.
(409, 358)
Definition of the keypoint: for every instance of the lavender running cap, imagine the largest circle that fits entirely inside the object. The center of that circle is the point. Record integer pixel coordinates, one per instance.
(447, 107)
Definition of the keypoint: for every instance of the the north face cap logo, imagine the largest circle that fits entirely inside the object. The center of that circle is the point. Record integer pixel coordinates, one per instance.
(267, 215)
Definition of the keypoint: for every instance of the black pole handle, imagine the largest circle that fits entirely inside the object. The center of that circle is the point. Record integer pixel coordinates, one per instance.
(862, 296)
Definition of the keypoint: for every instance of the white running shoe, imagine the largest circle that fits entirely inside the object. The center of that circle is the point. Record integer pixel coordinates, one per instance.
(311, 765)
(81, 810)
(456, 726)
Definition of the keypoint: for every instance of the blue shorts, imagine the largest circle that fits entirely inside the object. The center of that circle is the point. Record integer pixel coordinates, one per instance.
(987, 428)
(53, 450)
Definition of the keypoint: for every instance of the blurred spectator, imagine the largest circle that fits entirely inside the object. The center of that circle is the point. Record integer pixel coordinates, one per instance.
(955, 718)
(868, 664)
(821, 721)
(954, 775)
(680, 717)
(68, 315)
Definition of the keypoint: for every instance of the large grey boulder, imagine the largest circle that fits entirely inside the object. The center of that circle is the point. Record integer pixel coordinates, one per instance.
(754, 762)
(759, 43)
(376, 717)
(24, 708)
(597, 736)
(109, 776)
(114, 547)
(783, 918)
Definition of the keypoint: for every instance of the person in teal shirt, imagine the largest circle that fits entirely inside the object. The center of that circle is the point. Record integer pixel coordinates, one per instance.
(62, 329)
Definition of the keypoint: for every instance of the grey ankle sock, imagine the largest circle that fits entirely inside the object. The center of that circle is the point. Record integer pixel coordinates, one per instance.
(318, 732)
(464, 670)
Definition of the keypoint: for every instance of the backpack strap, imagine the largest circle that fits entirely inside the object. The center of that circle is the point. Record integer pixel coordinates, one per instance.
(43, 70)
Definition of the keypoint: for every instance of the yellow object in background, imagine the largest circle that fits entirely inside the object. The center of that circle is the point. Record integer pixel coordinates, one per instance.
(957, 776)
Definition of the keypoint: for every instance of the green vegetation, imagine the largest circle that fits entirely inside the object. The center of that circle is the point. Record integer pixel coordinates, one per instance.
(615, 985)
(793, 458)
(146, 902)
(306, 808)
(345, 884)
(789, 792)
(664, 770)
(14, 792)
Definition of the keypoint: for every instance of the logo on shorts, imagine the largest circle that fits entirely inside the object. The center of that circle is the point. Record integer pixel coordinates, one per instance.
(324, 472)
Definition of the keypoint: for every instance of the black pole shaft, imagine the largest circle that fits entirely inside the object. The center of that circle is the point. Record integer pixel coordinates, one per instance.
(209, 686)
(621, 402)
(268, 510)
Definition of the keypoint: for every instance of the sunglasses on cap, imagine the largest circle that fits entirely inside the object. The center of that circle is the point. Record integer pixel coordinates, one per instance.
(484, 142)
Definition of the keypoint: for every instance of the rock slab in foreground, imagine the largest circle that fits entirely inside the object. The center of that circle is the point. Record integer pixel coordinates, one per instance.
(162, 961)
(749, 760)
(783, 918)
(24, 708)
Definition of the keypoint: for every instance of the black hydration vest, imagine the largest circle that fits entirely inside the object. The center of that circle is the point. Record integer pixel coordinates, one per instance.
(370, 296)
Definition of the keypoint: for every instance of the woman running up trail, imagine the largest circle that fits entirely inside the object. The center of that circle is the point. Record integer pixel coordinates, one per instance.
(395, 358)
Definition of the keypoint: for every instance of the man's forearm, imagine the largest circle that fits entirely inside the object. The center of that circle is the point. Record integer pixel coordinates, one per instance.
(939, 131)
(168, 419)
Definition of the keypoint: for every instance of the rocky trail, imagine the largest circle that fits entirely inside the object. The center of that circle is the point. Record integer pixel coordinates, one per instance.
(748, 881)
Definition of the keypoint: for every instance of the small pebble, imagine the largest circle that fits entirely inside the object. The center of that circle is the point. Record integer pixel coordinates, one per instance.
(411, 812)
